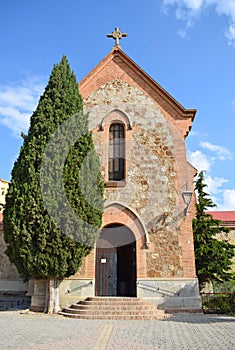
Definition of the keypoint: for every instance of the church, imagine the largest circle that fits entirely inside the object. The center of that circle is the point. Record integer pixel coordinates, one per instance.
(145, 249)
(146, 245)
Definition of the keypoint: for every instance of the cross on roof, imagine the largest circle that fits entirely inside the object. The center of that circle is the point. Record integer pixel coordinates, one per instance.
(117, 35)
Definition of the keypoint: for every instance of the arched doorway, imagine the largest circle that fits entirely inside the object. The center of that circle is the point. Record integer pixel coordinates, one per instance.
(116, 262)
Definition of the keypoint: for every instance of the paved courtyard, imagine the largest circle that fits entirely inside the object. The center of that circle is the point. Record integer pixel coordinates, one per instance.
(179, 332)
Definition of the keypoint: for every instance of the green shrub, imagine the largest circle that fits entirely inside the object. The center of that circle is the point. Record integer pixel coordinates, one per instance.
(221, 303)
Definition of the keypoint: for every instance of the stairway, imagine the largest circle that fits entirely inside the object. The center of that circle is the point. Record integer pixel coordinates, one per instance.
(114, 308)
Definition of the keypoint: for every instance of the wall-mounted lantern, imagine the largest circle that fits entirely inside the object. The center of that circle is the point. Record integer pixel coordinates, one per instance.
(187, 197)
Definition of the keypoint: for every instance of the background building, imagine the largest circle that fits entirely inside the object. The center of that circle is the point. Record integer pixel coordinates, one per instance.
(9, 277)
(228, 220)
(3, 190)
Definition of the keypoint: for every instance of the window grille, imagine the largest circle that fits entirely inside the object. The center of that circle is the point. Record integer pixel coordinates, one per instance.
(116, 152)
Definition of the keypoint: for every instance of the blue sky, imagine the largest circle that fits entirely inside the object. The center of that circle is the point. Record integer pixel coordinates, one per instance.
(187, 46)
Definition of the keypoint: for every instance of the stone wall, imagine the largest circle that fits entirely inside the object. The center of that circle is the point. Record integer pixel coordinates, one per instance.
(157, 171)
(10, 280)
(171, 294)
(3, 191)
(228, 237)
(7, 269)
(231, 239)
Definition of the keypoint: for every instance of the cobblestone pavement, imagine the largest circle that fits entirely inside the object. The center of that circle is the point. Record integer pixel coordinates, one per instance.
(179, 332)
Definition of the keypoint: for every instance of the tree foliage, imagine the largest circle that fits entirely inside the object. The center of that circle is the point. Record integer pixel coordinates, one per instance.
(212, 256)
(36, 244)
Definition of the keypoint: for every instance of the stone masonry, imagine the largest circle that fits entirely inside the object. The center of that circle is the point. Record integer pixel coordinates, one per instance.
(151, 188)
(148, 201)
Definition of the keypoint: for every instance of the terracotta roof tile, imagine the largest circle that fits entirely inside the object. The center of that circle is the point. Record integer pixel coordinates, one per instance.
(223, 215)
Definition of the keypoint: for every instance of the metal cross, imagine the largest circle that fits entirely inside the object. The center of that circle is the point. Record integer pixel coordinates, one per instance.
(117, 35)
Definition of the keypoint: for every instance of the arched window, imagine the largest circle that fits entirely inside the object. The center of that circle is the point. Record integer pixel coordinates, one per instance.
(116, 152)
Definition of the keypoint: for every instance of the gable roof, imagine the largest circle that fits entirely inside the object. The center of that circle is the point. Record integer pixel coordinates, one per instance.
(118, 65)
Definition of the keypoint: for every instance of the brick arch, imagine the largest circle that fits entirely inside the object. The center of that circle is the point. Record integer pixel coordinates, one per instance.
(118, 213)
(112, 117)
(116, 115)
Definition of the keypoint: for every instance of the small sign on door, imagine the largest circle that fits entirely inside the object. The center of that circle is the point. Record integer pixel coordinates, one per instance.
(103, 261)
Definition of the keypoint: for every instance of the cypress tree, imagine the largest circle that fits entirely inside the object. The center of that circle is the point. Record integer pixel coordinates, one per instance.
(44, 239)
(212, 256)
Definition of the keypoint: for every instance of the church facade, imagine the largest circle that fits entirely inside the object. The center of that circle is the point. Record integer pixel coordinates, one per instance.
(146, 244)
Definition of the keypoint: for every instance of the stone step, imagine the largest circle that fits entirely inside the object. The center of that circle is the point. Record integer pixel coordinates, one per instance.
(122, 308)
(113, 316)
(108, 306)
(116, 299)
(114, 302)
(109, 312)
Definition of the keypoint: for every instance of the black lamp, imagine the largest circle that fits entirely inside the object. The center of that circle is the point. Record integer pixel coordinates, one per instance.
(187, 197)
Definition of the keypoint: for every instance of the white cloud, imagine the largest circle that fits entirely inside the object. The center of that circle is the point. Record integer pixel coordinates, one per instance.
(233, 104)
(192, 4)
(200, 161)
(224, 199)
(228, 200)
(214, 184)
(221, 152)
(183, 33)
(230, 33)
(17, 102)
(190, 10)
(14, 119)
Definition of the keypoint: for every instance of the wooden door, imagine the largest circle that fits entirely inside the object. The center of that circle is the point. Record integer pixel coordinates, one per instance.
(115, 273)
(106, 272)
